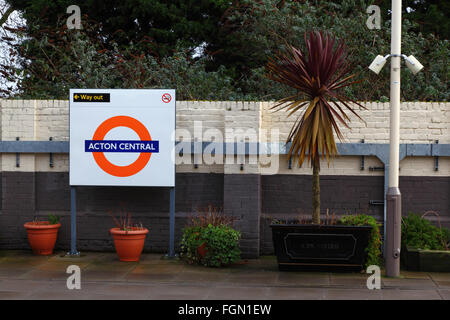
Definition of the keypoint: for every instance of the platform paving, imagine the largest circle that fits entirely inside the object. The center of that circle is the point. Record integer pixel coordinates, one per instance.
(25, 276)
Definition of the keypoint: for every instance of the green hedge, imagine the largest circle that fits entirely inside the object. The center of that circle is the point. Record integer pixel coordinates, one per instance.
(374, 248)
(220, 245)
(419, 233)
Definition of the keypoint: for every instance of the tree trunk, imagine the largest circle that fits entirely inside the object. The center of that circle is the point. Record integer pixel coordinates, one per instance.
(316, 193)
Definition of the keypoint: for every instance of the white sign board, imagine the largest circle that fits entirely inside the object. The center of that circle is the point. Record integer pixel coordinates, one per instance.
(122, 137)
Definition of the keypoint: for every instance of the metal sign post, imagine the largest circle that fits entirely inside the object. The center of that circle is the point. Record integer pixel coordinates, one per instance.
(73, 222)
(172, 224)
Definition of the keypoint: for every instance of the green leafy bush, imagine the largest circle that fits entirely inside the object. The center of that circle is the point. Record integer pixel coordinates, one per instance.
(419, 233)
(220, 245)
(374, 248)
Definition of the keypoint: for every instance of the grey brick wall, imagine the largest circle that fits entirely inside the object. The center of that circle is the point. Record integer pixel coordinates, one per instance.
(242, 199)
(291, 194)
(421, 194)
(18, 207)
(252, 199)
(283, 196)
(25, 195)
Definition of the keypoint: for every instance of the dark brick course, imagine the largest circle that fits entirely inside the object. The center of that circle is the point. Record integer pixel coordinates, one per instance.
(421, 194)
(25, 195)
(287, 196)
(252, 199)
(242, 199)
(291, 194)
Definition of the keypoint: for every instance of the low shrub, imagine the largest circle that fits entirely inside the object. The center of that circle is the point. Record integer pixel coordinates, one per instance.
(211, 246)
(374, 248)
(419, 233)
(210, 239)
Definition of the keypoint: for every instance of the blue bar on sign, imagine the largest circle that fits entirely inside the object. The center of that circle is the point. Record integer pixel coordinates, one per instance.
(151, 146)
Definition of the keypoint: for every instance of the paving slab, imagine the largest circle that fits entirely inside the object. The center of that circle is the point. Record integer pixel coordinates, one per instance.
(25, 286)
(303, 278)
(441, 276)
(408, 283)
(414, 275)
(268, 278)
(104, 275)
(443, 284)
(445, 294)
(200, 277)
(239, 293)
(398, 294)
(355, 280)
(13, 295)
(179, 292)
(13, 272)
(37, 274)
(284, 293)
(353, 294)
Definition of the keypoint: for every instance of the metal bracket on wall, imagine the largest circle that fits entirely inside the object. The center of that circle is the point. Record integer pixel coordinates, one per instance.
(436, 160)
(196, 152)
(376, 168)
(376, 202)
(362, 158)
(51, 155)
(241, 157)
(17, 156)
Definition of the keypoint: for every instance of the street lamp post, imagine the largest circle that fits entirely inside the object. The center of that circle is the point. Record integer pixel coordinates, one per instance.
(393, 196)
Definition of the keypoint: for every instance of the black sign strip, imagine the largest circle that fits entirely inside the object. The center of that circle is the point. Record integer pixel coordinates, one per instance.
(91, 97)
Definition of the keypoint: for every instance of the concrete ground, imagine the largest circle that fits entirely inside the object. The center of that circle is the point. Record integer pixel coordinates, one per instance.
(24, 276)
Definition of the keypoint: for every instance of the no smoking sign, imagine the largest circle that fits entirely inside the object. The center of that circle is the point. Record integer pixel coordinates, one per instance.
(166, 98)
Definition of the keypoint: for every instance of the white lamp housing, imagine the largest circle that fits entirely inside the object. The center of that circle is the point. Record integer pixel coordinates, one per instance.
(377, 64)
(413, 64)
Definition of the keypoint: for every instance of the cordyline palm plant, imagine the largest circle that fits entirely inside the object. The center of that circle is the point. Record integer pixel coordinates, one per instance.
(319, 77)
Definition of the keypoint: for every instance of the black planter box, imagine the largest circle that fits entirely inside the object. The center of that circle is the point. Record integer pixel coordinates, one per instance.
(320, 247)
(425, 260)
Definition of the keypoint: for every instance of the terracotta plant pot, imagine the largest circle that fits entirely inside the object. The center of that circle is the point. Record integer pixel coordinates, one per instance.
(129, 244)
(42, 236)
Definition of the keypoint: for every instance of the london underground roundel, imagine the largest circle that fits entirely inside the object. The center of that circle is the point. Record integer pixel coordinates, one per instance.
(98, 146)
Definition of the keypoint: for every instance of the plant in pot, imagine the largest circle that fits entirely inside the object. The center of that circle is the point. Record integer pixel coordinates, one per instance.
(42, 234)
(425, 247)
(128, 237)
(209, 239)
(319, 74)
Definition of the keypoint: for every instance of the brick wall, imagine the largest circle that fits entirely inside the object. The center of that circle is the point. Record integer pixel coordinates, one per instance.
(289, 197)
(26, 195)
(421, 122)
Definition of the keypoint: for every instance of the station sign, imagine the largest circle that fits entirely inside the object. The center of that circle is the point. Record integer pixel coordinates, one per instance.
(122, 137)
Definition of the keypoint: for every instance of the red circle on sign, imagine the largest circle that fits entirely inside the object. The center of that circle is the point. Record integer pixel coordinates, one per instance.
(166, 98)
(136, 126)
